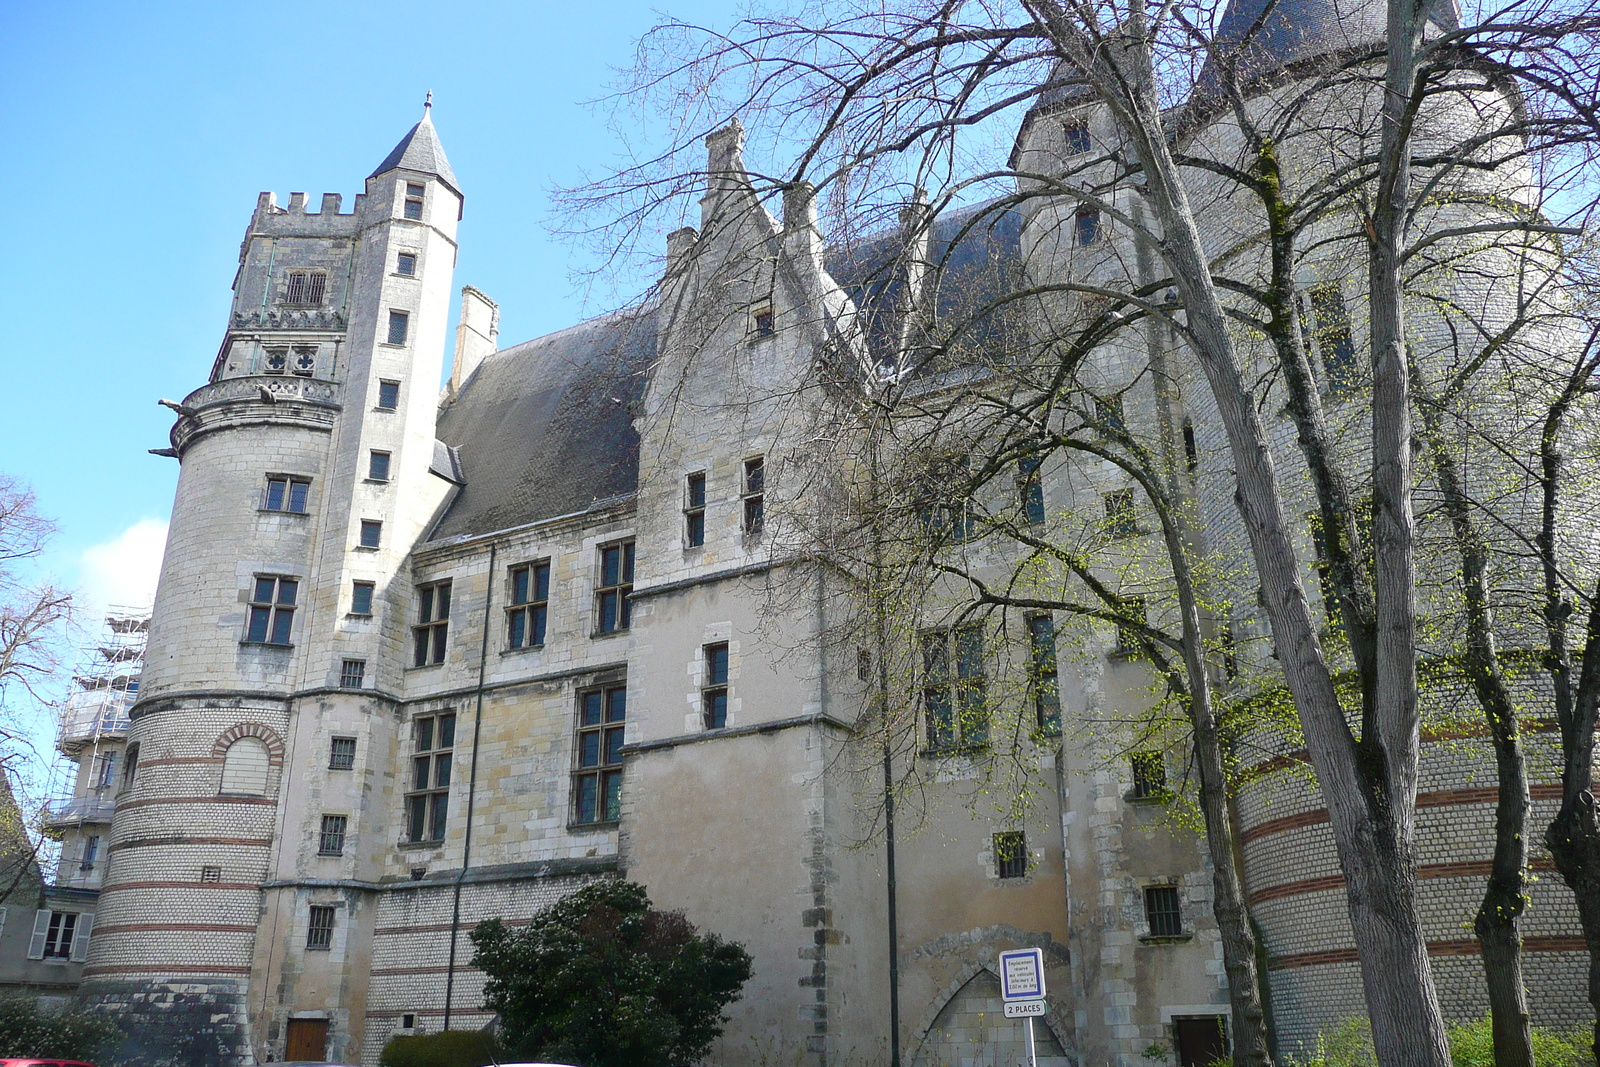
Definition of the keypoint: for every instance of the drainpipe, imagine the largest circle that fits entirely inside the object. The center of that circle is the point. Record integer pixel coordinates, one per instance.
(472, 792)
(881, 637)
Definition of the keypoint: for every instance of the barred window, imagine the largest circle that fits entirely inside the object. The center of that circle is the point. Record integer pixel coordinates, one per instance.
(285, 493)
(428, 798)
(399, 324)
(597, 778)
(616, 586)
(319, 934)
(1149, 775)
(1162, 910)
(755, 479)
(530, 605)
(210, 875)
(694, 510)
(353, 674)
(272, 603)
(305, 287)
(954, 688)
(432, 628)
(1042, 662)
(1010, 854)
(342, 754)
(361, 597)
(330, 842)
(714, 686)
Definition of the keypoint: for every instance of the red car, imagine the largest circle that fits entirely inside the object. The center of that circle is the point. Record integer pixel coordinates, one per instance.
(43, 1063)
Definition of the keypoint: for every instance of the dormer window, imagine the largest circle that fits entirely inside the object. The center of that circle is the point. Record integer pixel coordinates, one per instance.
(414, 195)
(305, 288)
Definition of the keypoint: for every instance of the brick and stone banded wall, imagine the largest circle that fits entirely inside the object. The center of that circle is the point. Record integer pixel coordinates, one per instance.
(1297, 893)
(181, 1022)
(411, 943)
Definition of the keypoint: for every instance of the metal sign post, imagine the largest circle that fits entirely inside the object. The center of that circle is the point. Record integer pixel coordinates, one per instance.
(1022, 990)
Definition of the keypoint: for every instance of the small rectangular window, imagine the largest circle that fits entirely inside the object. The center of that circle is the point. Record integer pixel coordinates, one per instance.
(319, 935)
(91, 852)
(714, 686)
(105, 770)
(1077, 132)
(1149, 775)
(414, 196)
(1010, 854)
(287, 494)
(361, 597)
(272, 604)
(371, 533)
(1191, 451)
(1108, 413)
(694, 509)
(210, 874)
(1122, 520)
(597, 775)
(330, 842)
(378, 466)
(433, 623)
(1162, 910)
(755, 476)
(1130, 636)
(388, 395)
(58, 937)
(1046, 686)
(130, 765)
(1030, 488)
(761, 321)
(415, 189)
(530, 605)
(304, 288)
(614, 611)
(1086, 227)
(399, 324)
(342, 754)
(428, 793)
(1335, 341)
(353, 674)
(954, 688)
(406, 263)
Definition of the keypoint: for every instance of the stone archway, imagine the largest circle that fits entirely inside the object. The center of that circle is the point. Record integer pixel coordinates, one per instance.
(971, 1030)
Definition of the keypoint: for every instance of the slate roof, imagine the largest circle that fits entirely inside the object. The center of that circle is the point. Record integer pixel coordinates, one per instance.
(544, 428)
(420, 150)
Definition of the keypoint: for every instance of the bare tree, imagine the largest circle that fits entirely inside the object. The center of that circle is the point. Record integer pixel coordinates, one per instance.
(32, 613)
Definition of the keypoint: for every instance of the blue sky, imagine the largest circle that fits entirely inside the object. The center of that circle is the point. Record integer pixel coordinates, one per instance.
(135, 139)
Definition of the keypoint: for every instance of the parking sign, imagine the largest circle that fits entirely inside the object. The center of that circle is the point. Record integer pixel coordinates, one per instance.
(1022, 974)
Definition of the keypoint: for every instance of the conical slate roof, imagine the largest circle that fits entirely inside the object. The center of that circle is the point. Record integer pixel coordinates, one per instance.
(420, 150)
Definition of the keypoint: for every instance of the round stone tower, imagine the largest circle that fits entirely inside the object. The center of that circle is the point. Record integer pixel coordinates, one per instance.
(232, 910)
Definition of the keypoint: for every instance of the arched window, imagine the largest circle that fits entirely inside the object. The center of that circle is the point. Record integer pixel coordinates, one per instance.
(244, 768)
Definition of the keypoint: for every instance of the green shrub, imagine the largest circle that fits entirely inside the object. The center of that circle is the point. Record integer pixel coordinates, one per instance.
(29, 1030)
(448, 1048)
(1471, 1045)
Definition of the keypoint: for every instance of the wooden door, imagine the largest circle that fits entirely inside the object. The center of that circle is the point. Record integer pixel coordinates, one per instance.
(1201, 1040)
(308, 1040)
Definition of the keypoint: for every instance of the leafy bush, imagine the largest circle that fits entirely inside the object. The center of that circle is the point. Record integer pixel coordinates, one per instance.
(448, 1048)
(1471, 1045)
(29, 1030)
(602, 979)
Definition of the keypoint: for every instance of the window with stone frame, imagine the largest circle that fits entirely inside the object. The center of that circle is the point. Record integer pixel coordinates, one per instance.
(1086, 227)
(272, 606)
(1108, 415)
(714, 685)
(761, 321)
(1077, 136)
(1149, 776)
(285, 492)
(954, 688)
(1030, 489)
(1010, 854)
(319, 929)
(694, 509)
(597, 774)
(432, 628)
(305, 360)
(1130, 638)
(353, 674)
(1334, 339)
(330, 840)
(275, 361)
(415, 194)
(613, 611)
(90, 854)
(378, 465)
(105, 770)
(1122, 516)
(399, 327)
(529, 610)
(1163, 911)
(433, 739)
(304, 288)
(388, 394)
(341, 754)
(361, 597)
(406, 263)
(754, 494)
(1042, 669)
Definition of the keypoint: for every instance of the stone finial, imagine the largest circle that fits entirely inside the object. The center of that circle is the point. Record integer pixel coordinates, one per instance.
(725, 149)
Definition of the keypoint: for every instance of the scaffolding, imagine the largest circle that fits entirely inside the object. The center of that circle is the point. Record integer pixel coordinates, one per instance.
(106, 683)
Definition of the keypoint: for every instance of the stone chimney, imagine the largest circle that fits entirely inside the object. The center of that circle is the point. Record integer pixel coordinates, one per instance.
(477, 335)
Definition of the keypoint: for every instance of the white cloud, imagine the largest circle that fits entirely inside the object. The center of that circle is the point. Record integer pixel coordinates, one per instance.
(124, 569)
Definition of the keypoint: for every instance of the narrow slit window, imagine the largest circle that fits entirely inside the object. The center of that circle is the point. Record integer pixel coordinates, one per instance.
(714, 687)
(272, 604)
(694, 509)
(613, 610)
(597, 776)
(1030, 488)
(1335, 341)
(1191, 451)
(1046, 685)
(432, 627)
(530, 605)
(755, 478)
